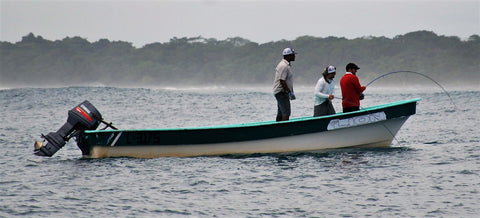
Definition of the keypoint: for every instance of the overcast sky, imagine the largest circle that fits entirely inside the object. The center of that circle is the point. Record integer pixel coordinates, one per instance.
(144, 22)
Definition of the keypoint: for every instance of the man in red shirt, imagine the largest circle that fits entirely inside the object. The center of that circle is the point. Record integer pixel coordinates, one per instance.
(351, 89)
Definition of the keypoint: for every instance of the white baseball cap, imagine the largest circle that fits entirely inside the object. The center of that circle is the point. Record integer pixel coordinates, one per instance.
(332, 69)
(288, 51)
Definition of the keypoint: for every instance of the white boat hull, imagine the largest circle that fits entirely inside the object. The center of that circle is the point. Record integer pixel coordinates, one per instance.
(377, 134)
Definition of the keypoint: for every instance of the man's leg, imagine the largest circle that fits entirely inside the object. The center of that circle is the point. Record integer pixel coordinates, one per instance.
(283, 105)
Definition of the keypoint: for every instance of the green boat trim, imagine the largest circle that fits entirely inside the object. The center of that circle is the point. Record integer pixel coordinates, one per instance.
(262, 123)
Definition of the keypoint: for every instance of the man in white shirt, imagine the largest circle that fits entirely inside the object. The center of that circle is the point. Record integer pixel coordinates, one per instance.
(283, 84)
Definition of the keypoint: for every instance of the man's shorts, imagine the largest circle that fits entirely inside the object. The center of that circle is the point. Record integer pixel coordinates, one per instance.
(283, 104)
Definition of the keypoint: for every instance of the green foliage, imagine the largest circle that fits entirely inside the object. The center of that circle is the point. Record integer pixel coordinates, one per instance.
(35, 61)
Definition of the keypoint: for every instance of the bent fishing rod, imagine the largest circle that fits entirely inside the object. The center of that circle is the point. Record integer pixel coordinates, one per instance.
(407, 71)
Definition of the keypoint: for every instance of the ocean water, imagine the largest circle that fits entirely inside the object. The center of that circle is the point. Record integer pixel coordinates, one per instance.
(431, 170)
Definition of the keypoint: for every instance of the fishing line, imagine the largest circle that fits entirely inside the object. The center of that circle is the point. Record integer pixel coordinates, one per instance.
(406, 71)
(391, 133)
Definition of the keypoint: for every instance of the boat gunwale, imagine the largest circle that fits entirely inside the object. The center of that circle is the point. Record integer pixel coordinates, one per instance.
(362, 111)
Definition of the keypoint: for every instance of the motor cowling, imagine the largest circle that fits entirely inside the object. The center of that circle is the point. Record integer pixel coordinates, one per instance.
(82, 117)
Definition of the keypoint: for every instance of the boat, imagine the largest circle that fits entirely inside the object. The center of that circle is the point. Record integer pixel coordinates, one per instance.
(374, 126)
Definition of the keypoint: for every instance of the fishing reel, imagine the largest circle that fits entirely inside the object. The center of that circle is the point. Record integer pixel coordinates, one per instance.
(82, 117)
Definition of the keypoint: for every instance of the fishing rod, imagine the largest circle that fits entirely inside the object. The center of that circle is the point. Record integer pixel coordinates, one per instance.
(407, 71)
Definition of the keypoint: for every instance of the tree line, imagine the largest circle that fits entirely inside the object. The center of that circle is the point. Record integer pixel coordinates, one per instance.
(35, 61)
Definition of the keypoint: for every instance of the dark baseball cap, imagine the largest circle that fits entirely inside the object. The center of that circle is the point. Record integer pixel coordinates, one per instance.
(351, 66)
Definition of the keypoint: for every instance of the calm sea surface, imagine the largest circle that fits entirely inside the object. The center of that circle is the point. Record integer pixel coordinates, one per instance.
(431, 170)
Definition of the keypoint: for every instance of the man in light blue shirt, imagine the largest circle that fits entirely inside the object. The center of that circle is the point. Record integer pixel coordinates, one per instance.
(324, 93)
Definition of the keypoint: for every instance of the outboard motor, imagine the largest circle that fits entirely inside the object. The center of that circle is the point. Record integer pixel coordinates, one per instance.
(83, 117)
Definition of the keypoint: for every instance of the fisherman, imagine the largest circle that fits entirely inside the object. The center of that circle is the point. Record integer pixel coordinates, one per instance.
(324, 93)
(352, 91)
(283, 84)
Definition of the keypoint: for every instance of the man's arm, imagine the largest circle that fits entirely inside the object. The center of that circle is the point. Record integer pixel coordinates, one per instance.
(285, 86)
(357, 86)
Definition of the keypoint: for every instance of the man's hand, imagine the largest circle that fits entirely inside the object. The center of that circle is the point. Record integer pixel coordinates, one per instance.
(292, 96)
